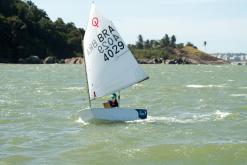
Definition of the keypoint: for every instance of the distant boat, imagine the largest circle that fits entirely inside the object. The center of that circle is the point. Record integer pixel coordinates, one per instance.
(110, 67)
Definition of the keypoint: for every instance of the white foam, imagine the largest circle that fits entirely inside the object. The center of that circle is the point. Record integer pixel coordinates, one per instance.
(138, 85)
(205, 86)
(162, 119)
(132, 152)
(74, 88)
(195, 86)
(239, 95)
(230, 80)
(221, 115)
(195, 118)
(7, 101)
(79, 120)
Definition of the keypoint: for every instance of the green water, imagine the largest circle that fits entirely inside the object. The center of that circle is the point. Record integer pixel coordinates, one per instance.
(197, 115)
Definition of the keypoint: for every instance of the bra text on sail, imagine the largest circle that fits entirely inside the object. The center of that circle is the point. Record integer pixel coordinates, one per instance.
(108, 43)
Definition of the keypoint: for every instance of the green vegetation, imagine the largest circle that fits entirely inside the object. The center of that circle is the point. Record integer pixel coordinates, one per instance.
(165, 48)
(26, 30)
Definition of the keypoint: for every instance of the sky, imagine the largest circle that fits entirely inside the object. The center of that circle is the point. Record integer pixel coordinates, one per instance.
(222, 23)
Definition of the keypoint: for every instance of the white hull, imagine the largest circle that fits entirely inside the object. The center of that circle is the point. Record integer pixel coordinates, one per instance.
(119, 114)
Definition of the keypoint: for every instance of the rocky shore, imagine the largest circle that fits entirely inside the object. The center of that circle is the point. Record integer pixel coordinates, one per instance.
(51, 60)
(182, 60)
(80, 60)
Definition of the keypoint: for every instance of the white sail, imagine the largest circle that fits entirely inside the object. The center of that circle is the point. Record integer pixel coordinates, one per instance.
(110, 65)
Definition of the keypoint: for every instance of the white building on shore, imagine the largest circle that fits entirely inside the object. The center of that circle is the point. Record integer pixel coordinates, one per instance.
(233, 57)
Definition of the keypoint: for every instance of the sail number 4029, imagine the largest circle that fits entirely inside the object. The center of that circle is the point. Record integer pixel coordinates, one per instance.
(110, 48)
(115, 50)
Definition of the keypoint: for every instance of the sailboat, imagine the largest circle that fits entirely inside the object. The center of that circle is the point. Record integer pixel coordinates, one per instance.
(110, 67)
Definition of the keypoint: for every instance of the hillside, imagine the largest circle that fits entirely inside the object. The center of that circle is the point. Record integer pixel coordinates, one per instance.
(185, 55)
(167, 51)
(196, 56)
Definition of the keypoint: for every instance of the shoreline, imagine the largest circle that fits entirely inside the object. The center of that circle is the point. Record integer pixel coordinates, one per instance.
(80, 60)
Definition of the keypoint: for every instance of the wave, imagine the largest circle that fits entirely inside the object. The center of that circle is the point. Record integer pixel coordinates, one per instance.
(138, 85)
(79, 120)
(8, 102)
(238, 95)
(214, 116)
(3, 101)
(74, 88)
(162, 119)
(221, 115)
(205, 86)
(181, 119)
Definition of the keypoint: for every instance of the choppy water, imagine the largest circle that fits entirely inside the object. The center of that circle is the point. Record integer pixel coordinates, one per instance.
(197, 115)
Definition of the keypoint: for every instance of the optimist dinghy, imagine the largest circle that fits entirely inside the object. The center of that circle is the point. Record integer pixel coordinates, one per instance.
(110, 67)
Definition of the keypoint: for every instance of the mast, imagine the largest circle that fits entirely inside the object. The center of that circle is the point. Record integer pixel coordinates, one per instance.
(118, 98)
(85, 68)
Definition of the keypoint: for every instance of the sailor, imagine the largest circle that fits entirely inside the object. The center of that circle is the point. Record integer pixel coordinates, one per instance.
(113, 102)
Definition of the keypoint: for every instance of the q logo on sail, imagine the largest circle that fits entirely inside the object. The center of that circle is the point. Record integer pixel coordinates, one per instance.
(95, 22)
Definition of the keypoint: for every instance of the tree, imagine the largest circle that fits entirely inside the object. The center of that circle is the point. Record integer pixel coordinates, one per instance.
(165, 41)
(60, 25)
(37, 13)
(191, 45)
(6, 7)
(173, 41)
(139, 43)
(154, 44)
(180, 46)
(147, 44)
